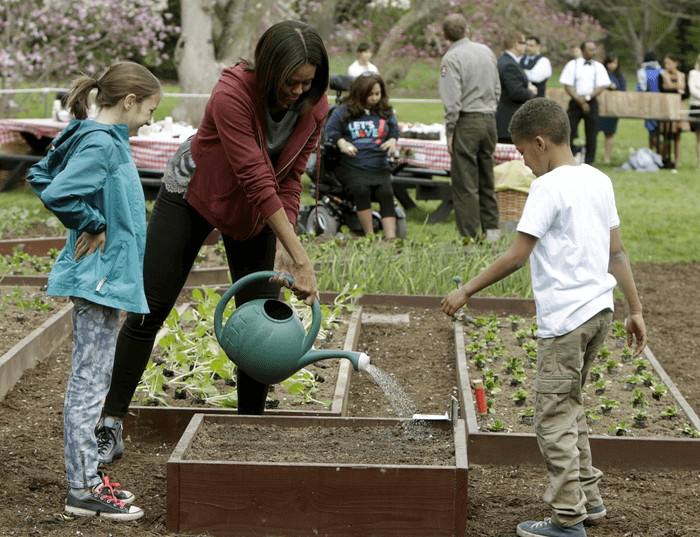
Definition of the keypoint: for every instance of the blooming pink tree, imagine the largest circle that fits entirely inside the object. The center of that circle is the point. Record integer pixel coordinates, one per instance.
(394, 24)
(47, 41)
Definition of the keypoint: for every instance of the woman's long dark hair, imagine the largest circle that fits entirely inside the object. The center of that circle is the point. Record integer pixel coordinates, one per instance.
(281, 50)
(612, 57)
(356, 101)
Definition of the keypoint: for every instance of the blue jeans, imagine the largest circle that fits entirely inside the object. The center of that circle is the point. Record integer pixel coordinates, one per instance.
(95, 330)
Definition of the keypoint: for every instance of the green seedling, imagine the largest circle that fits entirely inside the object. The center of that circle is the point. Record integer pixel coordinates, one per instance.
(630, 382)
(648, 379)
(620, 429)
(638, 399)
(497, 426)
(658, 391)
(600, 386)
(607, 405)
(480, 360)
(687, 430)
(514, 321)
(596, 372)
(591, 416)
(513, 364)
(530, 346)
(520, 396)
(626, 354)
(640, 419)
(490, 405)
(604, 354)
(670, 412)
(612, 366)
(527, 415)
(518, 378)
(521, 336)
(641, 365)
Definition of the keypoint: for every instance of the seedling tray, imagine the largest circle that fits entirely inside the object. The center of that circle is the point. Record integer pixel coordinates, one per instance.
(229, 498)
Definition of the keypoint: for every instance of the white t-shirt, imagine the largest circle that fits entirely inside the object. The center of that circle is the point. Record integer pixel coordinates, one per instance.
(571, 210)
(584, 76)
(356, 69)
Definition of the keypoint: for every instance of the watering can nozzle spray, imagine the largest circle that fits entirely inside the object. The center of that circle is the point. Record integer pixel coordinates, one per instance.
(267, 340)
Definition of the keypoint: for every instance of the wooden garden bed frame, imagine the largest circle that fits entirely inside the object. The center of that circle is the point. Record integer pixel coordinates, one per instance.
(229, 498)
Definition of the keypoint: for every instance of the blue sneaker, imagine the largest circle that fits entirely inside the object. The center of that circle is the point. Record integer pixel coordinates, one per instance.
(595, 514)
(547, 528)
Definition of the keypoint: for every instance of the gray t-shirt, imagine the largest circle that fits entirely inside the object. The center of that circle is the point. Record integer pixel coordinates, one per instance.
(278, 132)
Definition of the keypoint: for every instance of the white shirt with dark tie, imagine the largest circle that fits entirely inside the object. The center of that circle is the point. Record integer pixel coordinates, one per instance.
(585, 76)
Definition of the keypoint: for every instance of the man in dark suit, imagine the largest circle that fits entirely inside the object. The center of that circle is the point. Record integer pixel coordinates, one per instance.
(515, 87)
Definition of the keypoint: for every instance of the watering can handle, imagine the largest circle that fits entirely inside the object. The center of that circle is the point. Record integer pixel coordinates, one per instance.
(266, 275)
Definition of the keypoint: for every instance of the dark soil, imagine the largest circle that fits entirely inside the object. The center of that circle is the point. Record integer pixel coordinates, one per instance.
(639, 503)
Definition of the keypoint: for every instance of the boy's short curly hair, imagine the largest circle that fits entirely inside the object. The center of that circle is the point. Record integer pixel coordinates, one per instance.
(541, 117)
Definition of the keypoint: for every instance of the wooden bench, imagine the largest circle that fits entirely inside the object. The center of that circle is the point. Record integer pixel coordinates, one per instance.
(426, 188)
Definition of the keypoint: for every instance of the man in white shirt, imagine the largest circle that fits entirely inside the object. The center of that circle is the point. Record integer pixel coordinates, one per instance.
(537, 68)
(584, 79)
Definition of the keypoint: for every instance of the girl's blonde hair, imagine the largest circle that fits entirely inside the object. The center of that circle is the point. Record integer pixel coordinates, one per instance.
(120, 79)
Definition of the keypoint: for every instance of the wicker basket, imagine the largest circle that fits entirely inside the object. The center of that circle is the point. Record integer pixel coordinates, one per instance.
(511, 204)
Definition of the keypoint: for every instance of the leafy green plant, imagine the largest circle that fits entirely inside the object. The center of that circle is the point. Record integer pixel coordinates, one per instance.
(533, 330)
(648, 378)
(626, 354)
(638, 399)
(521, 336)
(640, 419)
(480, 360)
(476, 345)
(490, 405)
(512, 364)
(600, 386)
(514, 321)
(520, 396)
(620, 429)
(670, 412)
(604, 354)
(35, 303)
(658, 391)
(612, 366)
(518, 378)
(607, 405)
(596, 372)
(687, 430)
(590, 416)
(498, 426)
(641, 365)
(491, 382)
(527, 415)
(529, 346)
(630, 382)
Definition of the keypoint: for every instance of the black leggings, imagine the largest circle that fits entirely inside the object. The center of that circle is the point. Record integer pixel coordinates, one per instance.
(361, 188)
(175, 234)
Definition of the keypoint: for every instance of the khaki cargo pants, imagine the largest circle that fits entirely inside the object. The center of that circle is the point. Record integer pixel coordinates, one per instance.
(560, 423)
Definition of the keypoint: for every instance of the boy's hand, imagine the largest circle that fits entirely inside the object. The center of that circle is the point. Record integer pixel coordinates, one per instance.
(455, 300)
(635, 327)
(88, 243)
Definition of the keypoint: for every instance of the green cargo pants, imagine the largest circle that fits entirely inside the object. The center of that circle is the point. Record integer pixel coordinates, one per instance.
(560, 423)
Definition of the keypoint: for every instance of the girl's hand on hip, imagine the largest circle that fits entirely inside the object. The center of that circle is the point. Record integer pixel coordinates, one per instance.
(88, 243)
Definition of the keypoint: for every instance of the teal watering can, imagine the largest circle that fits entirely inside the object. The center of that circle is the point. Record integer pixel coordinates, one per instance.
(267, 340)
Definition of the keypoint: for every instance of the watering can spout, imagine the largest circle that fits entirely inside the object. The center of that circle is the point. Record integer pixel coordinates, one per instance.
(359, 360)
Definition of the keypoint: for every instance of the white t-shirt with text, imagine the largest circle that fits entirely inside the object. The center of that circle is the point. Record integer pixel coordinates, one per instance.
(571, 210)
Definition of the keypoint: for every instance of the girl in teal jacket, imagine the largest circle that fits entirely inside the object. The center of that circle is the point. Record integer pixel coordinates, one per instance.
(90, 182)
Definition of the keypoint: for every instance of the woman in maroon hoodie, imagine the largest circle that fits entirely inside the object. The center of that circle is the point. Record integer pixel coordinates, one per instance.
(241, 174)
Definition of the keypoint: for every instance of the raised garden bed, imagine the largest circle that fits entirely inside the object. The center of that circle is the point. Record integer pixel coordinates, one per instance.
(314, 494)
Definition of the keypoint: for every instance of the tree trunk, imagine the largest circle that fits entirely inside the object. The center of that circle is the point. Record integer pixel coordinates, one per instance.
(197, 67)
(394, 72)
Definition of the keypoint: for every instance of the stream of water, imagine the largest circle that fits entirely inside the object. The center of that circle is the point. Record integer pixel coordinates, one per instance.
(401, 402)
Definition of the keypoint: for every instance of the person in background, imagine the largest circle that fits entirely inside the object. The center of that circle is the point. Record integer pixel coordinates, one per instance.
(470, 90)
(240, 174)
(362, 64)
(570, 232)
(618, 82)
(365, 130)
(575, 51)
(90, 182)
(648, 80)
(537, 68)
(672, 80)
(694, 89)
(584, 79)
(515, 87)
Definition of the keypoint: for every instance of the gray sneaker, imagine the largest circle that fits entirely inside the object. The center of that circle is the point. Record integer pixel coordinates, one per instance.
(110, 444)
(100, 501)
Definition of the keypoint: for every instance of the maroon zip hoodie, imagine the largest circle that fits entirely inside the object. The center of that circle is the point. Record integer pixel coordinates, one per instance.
(235, 187)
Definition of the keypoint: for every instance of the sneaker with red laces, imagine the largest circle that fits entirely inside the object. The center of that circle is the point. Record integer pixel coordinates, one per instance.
(121, 495)
(100, 501)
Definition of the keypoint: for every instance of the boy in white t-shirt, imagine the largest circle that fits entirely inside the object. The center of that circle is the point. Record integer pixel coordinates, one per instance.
(570, 232)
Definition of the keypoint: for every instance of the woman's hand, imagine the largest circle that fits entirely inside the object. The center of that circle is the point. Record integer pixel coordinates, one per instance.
(346, 147)
(87, 243)
(305, 286)
(389, 145)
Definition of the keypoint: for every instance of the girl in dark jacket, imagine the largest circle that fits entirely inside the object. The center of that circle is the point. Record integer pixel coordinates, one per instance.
(241, 174)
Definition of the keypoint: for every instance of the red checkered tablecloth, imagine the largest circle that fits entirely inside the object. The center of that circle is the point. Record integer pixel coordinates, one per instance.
(147, 153)
(434, 153)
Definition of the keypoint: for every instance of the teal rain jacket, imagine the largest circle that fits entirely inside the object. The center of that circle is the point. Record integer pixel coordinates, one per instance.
(90, 182)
